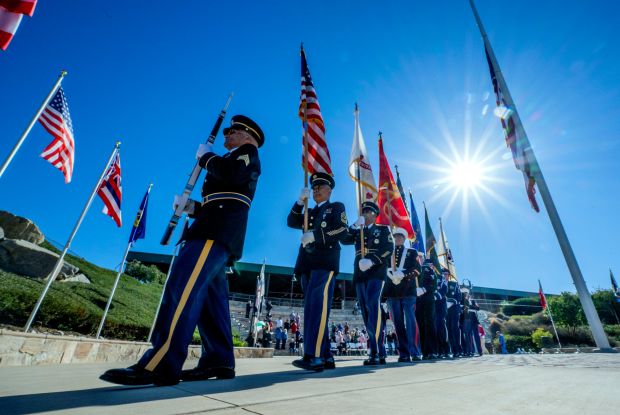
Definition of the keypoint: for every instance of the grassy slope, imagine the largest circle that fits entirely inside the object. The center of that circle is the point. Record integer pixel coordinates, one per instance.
(78, 307)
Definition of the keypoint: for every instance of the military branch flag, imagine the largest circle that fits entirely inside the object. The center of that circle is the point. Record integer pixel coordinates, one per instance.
(417, 243)
(111, 191)
(138, 231)
(614, 286)
(431, 242)
(314, 128)
(359, 165)
(400, 188)
(541, 294)
(11, 12)
(446, 252)
(392, 209)
(56, 119)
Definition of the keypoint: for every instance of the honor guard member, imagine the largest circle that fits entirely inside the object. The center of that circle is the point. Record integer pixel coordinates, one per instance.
(317, 264)
(400, 290)
(370, 272)
(425, 310)
(197, 292)
(441, 312)
(470, 336)
(453, 302)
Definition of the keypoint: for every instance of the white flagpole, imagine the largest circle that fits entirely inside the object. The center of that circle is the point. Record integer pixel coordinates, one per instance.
(594, 321)
(59, 263)
(118, 276)
(550, 315)
(32, 122)
(163, 290)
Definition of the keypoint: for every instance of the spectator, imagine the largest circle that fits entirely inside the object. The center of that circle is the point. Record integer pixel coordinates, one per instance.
(502, 342)
(294, 327)
(279, 331)
(248, 308)
(267, 339)
(346, 327)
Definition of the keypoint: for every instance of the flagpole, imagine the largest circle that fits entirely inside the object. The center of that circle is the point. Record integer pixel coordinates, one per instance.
(443, 242)
(359, 188)
(306, 168)
(550, 316)
(59, 263)
(118, 277)
(34, 119)
(389, 200)
(594, 321)
(163, 290)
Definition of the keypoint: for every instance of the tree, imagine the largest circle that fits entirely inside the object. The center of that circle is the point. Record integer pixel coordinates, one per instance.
(542, 338)
(606, 306)
(567, 311)
(142, 273)
(522, 307)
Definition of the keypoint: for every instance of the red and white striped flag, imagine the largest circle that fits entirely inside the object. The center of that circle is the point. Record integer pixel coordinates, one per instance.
(309, 109)
(56, 119)
(11, 12)
(111, 191)
(541, 294)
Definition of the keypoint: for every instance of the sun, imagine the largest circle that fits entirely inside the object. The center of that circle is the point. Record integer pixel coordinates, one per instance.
(466, 174)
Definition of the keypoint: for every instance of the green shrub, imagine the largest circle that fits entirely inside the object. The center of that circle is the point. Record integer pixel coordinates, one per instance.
(542, 338)
(145, 274)
(514, 342)
(519, 326)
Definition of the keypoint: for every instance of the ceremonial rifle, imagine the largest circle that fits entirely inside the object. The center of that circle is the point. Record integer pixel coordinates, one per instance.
(193, 178)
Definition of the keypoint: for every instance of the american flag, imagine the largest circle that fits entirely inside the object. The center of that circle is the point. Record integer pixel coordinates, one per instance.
(318, 154)
(111, 191)
(56, 119)
(541, 294)
(11, 12)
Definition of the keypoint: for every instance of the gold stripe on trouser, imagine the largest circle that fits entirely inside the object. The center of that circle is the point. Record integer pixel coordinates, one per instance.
(177, 313)
(378, 318)
(321, 332)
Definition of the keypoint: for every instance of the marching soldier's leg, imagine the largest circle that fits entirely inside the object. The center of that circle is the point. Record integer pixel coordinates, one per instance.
(410, 325)
(373, 306)
(326, 353)
(217, 359)
(417, 347)
(184, 296)
(317, 297)
(396, 311)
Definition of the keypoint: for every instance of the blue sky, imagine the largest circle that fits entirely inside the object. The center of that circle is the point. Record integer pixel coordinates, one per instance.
(155, 77)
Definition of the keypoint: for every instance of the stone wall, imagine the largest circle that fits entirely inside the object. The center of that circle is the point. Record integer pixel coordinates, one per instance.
(18, 348)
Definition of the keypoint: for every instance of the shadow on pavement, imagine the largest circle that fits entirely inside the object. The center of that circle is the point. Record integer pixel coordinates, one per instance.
(122, 395)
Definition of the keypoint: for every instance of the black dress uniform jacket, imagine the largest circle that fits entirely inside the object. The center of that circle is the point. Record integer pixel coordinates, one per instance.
(328, 222)
(411, 269)
(227, 193)
(379, 246)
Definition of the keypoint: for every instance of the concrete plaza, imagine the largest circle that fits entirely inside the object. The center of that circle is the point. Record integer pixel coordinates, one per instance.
(509, 384)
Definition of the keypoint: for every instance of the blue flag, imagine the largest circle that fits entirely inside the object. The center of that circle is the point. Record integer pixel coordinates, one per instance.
(614, 287)
(418, 242)
(139, 225)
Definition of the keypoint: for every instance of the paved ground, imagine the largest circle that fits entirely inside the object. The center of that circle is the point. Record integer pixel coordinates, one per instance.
(510, 384)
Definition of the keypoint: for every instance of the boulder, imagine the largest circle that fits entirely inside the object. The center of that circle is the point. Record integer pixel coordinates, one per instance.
(26, 258)
(78, 278)
(16, 227)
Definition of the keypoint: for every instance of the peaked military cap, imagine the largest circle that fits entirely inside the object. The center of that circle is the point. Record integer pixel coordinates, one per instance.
(371, 206)
(243, 123)
(320, 178)
(400, 231)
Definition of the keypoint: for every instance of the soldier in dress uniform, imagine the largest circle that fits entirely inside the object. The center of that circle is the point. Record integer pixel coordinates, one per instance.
(370, 272)
(197, 292)
(441, 312)
(425, 310)
(400, 290)
(470, 325)
(317, 265)
(454, 311)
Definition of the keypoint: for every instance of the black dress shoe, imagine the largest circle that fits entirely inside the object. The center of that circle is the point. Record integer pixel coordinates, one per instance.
(372, 361)
(204, 373)
(382, 360)
(416, 359)
(136, 375)
(316, 364)
(329, 363)
(404, 359)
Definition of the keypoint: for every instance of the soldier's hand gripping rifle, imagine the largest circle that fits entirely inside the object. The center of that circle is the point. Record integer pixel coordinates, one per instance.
(193, 178)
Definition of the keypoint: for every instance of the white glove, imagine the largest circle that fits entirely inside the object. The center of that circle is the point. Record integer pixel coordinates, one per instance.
(307, 238)
(189, 205)
(365, 264)
(396, 277)
(420, 291)
(450, 304)
(360, 222)
(304, 195)
(203, 149)
(399, 274)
